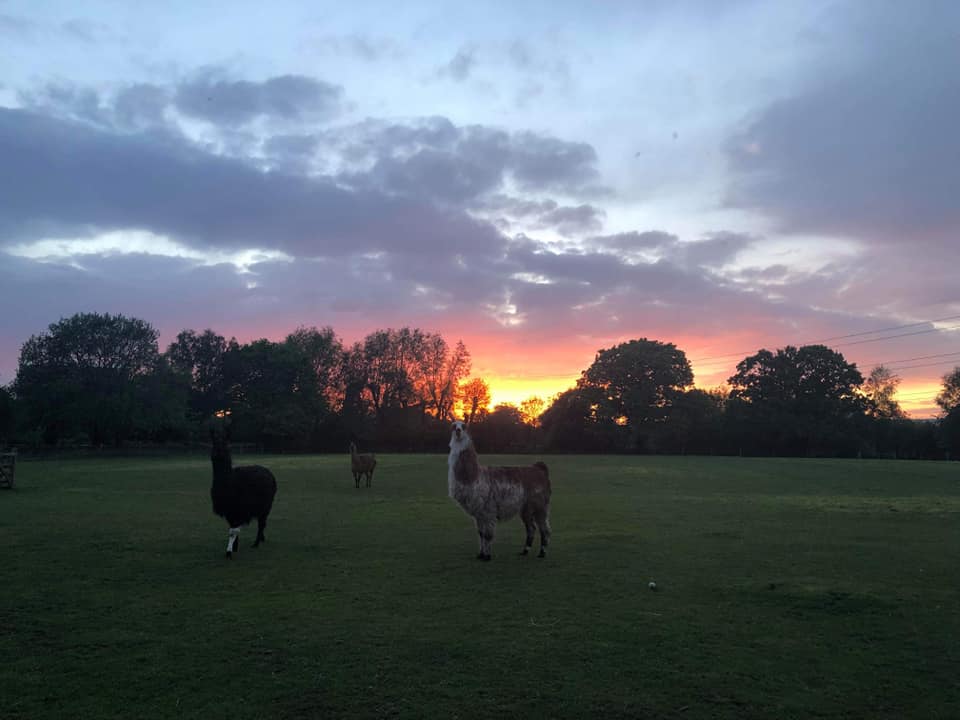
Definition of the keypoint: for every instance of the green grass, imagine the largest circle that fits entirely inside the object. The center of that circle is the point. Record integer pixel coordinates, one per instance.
(786, 589)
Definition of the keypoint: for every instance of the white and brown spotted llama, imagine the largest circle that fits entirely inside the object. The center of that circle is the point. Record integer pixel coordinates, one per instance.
(489, 494)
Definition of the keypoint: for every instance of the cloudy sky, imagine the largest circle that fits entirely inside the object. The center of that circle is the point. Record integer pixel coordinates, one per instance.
(538, 179)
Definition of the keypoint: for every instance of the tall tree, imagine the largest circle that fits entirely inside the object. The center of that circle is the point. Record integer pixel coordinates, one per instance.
(440, 375)
(949, 402)
(321, 356)
(199, 357)
(268, 396)
(637, 383)
(572, 423)
(474, 399)
(695, 422)
(503, 430)
(879, 388)
(531, 409)
(798, 401)
(949, 398)
(391, 360)
(82, 375)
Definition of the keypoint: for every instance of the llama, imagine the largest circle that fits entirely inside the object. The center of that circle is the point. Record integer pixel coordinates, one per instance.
(489, 494)
(239, 494)
(361, 465)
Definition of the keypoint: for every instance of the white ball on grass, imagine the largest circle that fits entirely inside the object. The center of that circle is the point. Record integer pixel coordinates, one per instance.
(652, 585)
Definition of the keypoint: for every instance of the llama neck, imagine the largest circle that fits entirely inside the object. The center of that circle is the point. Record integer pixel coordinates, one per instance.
(222, 468)
(466, 465)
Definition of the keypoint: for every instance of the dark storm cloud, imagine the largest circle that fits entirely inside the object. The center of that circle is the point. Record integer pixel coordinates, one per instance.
(60, 178)
(715, 250)
(67, 100)
(292, 152)
(235, 102)
(141, 105)
(541, 162)
(567, 220)
(869, 146)
(436, 159)
(571, 221)
(519, 207)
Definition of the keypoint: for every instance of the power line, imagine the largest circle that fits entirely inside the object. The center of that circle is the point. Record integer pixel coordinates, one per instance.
(921, 357)
(925, 365)
(850, 335)
(856, 342)
(891, 337)
(889, 363)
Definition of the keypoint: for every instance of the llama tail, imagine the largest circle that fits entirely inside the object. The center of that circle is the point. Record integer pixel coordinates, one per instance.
(542, 466)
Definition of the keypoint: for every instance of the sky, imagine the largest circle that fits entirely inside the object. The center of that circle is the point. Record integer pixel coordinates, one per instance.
(541, 180)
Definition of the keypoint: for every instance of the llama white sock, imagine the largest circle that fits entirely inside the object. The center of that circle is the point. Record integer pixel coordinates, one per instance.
(233, 535)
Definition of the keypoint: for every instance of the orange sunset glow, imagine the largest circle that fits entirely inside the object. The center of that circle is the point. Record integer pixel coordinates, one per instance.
(916, 393)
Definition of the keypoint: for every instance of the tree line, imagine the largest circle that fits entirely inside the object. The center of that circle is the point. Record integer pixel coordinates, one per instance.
(102, 380)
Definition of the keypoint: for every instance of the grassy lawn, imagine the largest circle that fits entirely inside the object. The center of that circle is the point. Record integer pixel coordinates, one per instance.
(785, 589)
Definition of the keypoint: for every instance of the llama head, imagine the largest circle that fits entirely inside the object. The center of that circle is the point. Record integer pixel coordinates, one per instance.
(459, 439)
(220, 438)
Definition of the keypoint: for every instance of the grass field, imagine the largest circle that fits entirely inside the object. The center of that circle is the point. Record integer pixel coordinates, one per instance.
(786, 589)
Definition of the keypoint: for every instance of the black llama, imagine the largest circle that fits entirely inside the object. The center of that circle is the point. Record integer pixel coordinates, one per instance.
(239, 494)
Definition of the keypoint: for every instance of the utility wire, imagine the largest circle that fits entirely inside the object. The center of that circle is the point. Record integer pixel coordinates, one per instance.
(925, 365)
(885, 363)
(850, 335)
(856, 342)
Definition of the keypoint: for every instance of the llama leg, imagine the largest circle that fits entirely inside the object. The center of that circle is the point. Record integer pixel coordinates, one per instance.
(261, 524)
(543, 522)
(233, 541)
(356, 479)
(485, 529)
(531, 527)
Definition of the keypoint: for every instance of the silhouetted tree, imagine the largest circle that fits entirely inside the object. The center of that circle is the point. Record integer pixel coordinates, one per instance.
(272, 393)
(199, 357)
(636, 384)
(531, 409)
(440, 375)
(83, 375)
(391, 360)
(572, 423)
(879, 389)
(695, 422)
(474, 399)
(949, 401)
(797, 401)
(503, 430)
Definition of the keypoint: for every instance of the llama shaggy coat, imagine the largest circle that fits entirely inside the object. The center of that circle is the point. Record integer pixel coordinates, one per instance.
(490, 494)
(239, 494)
